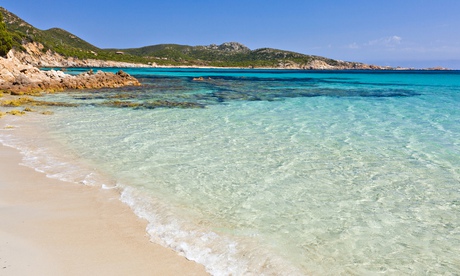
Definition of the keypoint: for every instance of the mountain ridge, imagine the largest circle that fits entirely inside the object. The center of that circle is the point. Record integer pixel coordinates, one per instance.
(229, 54)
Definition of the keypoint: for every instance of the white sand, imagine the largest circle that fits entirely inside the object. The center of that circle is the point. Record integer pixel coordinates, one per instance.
(50, 227)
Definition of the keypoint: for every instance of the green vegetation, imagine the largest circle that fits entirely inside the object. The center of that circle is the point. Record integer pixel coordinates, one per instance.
(55, 39)
(6, 40)
(225, 55)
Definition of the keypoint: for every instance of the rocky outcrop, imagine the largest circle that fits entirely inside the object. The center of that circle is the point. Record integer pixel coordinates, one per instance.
(318, 64)
(234, 47)
(35, 56)
(19, 78)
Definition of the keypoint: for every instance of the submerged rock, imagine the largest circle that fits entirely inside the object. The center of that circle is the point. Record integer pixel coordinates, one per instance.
(152, 104)
(171, 104)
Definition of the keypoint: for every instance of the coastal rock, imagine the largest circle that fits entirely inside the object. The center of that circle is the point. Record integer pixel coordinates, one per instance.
(229, 47)
(233, 47)
(19, 78)
(318, 65)
(34, 55)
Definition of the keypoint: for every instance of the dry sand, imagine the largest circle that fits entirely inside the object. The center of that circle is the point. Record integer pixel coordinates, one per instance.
(50, 227)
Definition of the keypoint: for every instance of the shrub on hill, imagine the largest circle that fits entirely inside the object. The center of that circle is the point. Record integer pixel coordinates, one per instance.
(6, 40)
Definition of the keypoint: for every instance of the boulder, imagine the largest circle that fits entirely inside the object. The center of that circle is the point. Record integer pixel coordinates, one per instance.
(18, 78)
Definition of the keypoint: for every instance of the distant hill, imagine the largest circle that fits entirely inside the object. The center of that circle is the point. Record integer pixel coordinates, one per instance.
(227, 54)
(230, 54)
(54, 38)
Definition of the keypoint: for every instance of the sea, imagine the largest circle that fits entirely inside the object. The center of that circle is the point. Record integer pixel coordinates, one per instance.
(271, 172)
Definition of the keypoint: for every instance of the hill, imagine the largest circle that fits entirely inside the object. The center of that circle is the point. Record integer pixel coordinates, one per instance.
(230, 54)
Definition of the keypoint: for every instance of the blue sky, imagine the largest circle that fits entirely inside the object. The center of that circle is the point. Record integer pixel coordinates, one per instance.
(414, 33)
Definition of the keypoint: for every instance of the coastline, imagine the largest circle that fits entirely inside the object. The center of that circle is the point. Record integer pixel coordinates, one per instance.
(138, 65)
(35, 57)
(51, 227)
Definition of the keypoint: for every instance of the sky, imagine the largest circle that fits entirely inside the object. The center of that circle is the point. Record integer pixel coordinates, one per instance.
(407, 33)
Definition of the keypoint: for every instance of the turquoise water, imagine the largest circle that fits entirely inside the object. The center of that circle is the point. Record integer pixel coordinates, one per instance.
(278, 172)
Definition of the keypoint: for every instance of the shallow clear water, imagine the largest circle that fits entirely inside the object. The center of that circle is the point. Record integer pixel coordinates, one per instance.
(280, 172)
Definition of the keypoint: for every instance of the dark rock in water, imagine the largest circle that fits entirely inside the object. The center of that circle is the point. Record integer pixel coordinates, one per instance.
(122, 74)
(121, 104)
(171, 104)
(152, 104)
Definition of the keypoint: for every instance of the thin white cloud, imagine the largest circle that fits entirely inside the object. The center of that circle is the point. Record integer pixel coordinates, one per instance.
(389, 41)
(386, 42)
(354, 45)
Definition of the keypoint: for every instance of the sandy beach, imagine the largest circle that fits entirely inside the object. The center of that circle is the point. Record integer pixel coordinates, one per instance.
(50, 227)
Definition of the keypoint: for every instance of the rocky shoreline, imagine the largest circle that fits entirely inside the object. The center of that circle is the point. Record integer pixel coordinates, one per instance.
(17, 78)
(33, 55)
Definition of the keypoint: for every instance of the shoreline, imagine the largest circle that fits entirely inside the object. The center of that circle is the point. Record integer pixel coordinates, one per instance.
(52, 227)
(135, 65)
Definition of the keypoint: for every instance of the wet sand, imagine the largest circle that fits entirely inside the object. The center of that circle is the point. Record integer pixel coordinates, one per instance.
(51, 227)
